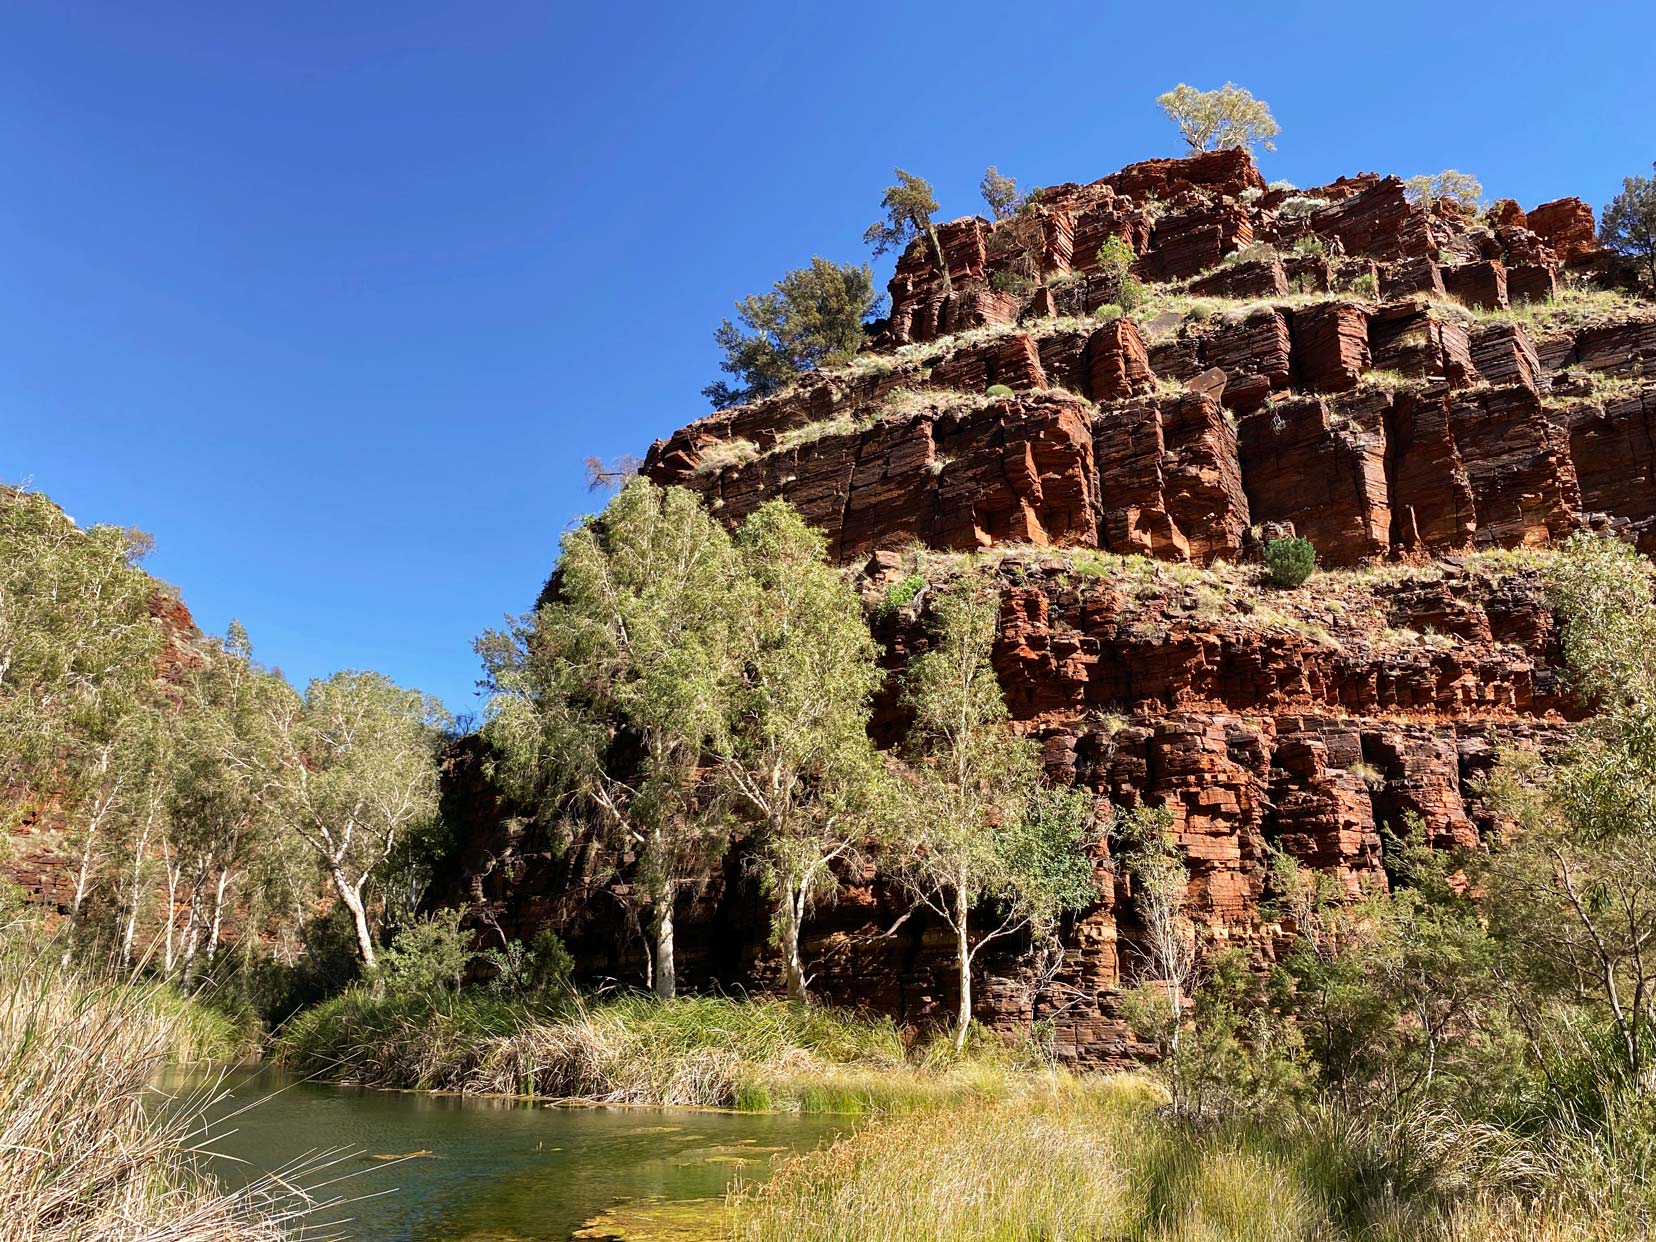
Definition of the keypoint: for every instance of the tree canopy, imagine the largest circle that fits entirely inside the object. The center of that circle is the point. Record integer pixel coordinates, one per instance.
(1628, 225)
(813, 317)
(909, 208)
(1216, 120)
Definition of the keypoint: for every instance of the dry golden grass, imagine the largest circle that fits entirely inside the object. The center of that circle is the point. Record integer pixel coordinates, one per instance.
(88, 1150)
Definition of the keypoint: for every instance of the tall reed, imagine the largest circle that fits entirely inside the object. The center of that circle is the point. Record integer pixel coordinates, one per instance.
(87, 1150)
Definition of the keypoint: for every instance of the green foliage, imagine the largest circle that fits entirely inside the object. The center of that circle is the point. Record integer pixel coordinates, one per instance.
(902, 593)
(1214, 120)
(1001, 194)
(1289, 561)
(813, 317)
(983, 831)
(541, 973)
(1628, 225)
(355, 767)
(909, 207)
(1115, 262)
(999, 390)
(1366, 286)
(429, 955)
(1462, 189)
(797, 758)
(604, 702)
(1312, 246)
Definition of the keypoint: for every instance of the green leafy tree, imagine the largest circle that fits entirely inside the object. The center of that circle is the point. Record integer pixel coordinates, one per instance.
(1573, 888)
(984, 832)
(799, 760)
(1628, 225)
(606, 702)
(909, 207)
(356, 775)
(1001, 194)
(1215, 120)
(1115, 263)
(1159, 883)
(78, 674)
(1461, 188)
(813, 317)
(429, 955)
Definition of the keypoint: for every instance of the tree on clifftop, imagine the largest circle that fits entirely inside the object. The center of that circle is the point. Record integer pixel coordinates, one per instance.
(1216, 120)
(1001, 193)
(1629, 223)
(812, 317)
(909, 207)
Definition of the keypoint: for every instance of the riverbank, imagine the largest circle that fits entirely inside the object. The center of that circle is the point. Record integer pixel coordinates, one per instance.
(1104, 1159)
(84, 1152)
(759, 1054)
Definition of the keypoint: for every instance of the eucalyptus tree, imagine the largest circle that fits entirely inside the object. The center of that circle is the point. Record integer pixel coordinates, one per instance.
(1572, 893)
(78, 669)
(985, 831)
(798, 757)
(606, 703)
(1214, 120)
(355, 764)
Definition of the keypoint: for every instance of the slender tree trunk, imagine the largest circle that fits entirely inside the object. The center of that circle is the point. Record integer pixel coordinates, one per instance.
(963, 954)
(793, 903)
(218, 915)
(351, 898)
(666, 974)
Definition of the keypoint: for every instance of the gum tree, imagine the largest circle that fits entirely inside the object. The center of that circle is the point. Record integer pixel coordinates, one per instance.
(813, 317)
(1629, 223)
(606, 702)
(356, 759)
(78, 672)
(798, 757)
(1216, 120)
(909, 207)
(985, 833)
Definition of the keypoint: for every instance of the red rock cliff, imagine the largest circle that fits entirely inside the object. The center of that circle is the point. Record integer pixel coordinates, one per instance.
(1415, 388)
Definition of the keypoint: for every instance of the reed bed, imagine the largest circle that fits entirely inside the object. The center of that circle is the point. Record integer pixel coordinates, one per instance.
(758, 1054)
(87, 1150)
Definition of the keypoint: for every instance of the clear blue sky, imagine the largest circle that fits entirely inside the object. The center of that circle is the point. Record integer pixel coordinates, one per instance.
(335, 298)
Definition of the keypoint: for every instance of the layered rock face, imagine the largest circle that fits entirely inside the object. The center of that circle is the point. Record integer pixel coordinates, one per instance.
(1430, 396)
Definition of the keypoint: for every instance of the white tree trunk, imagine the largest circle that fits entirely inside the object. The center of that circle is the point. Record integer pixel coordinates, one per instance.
(963, 952)
(351, 897)
(666, 974)
(793, 911)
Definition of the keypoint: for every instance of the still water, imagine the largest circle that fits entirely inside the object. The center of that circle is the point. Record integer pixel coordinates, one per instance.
(490, 1171)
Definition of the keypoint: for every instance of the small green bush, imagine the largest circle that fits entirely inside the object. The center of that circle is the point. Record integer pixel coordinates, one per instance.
(1310, 246)
(429, 955)
(901, 594)
(999, 390)
(1289, 561)
(1366, 286)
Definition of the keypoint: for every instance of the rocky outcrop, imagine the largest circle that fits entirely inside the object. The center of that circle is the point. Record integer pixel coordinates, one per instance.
(1389, 379)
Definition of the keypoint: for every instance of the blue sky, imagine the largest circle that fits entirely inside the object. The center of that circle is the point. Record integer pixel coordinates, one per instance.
(334, 299)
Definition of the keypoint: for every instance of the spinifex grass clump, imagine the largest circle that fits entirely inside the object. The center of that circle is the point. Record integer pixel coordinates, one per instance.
(86, 1150)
